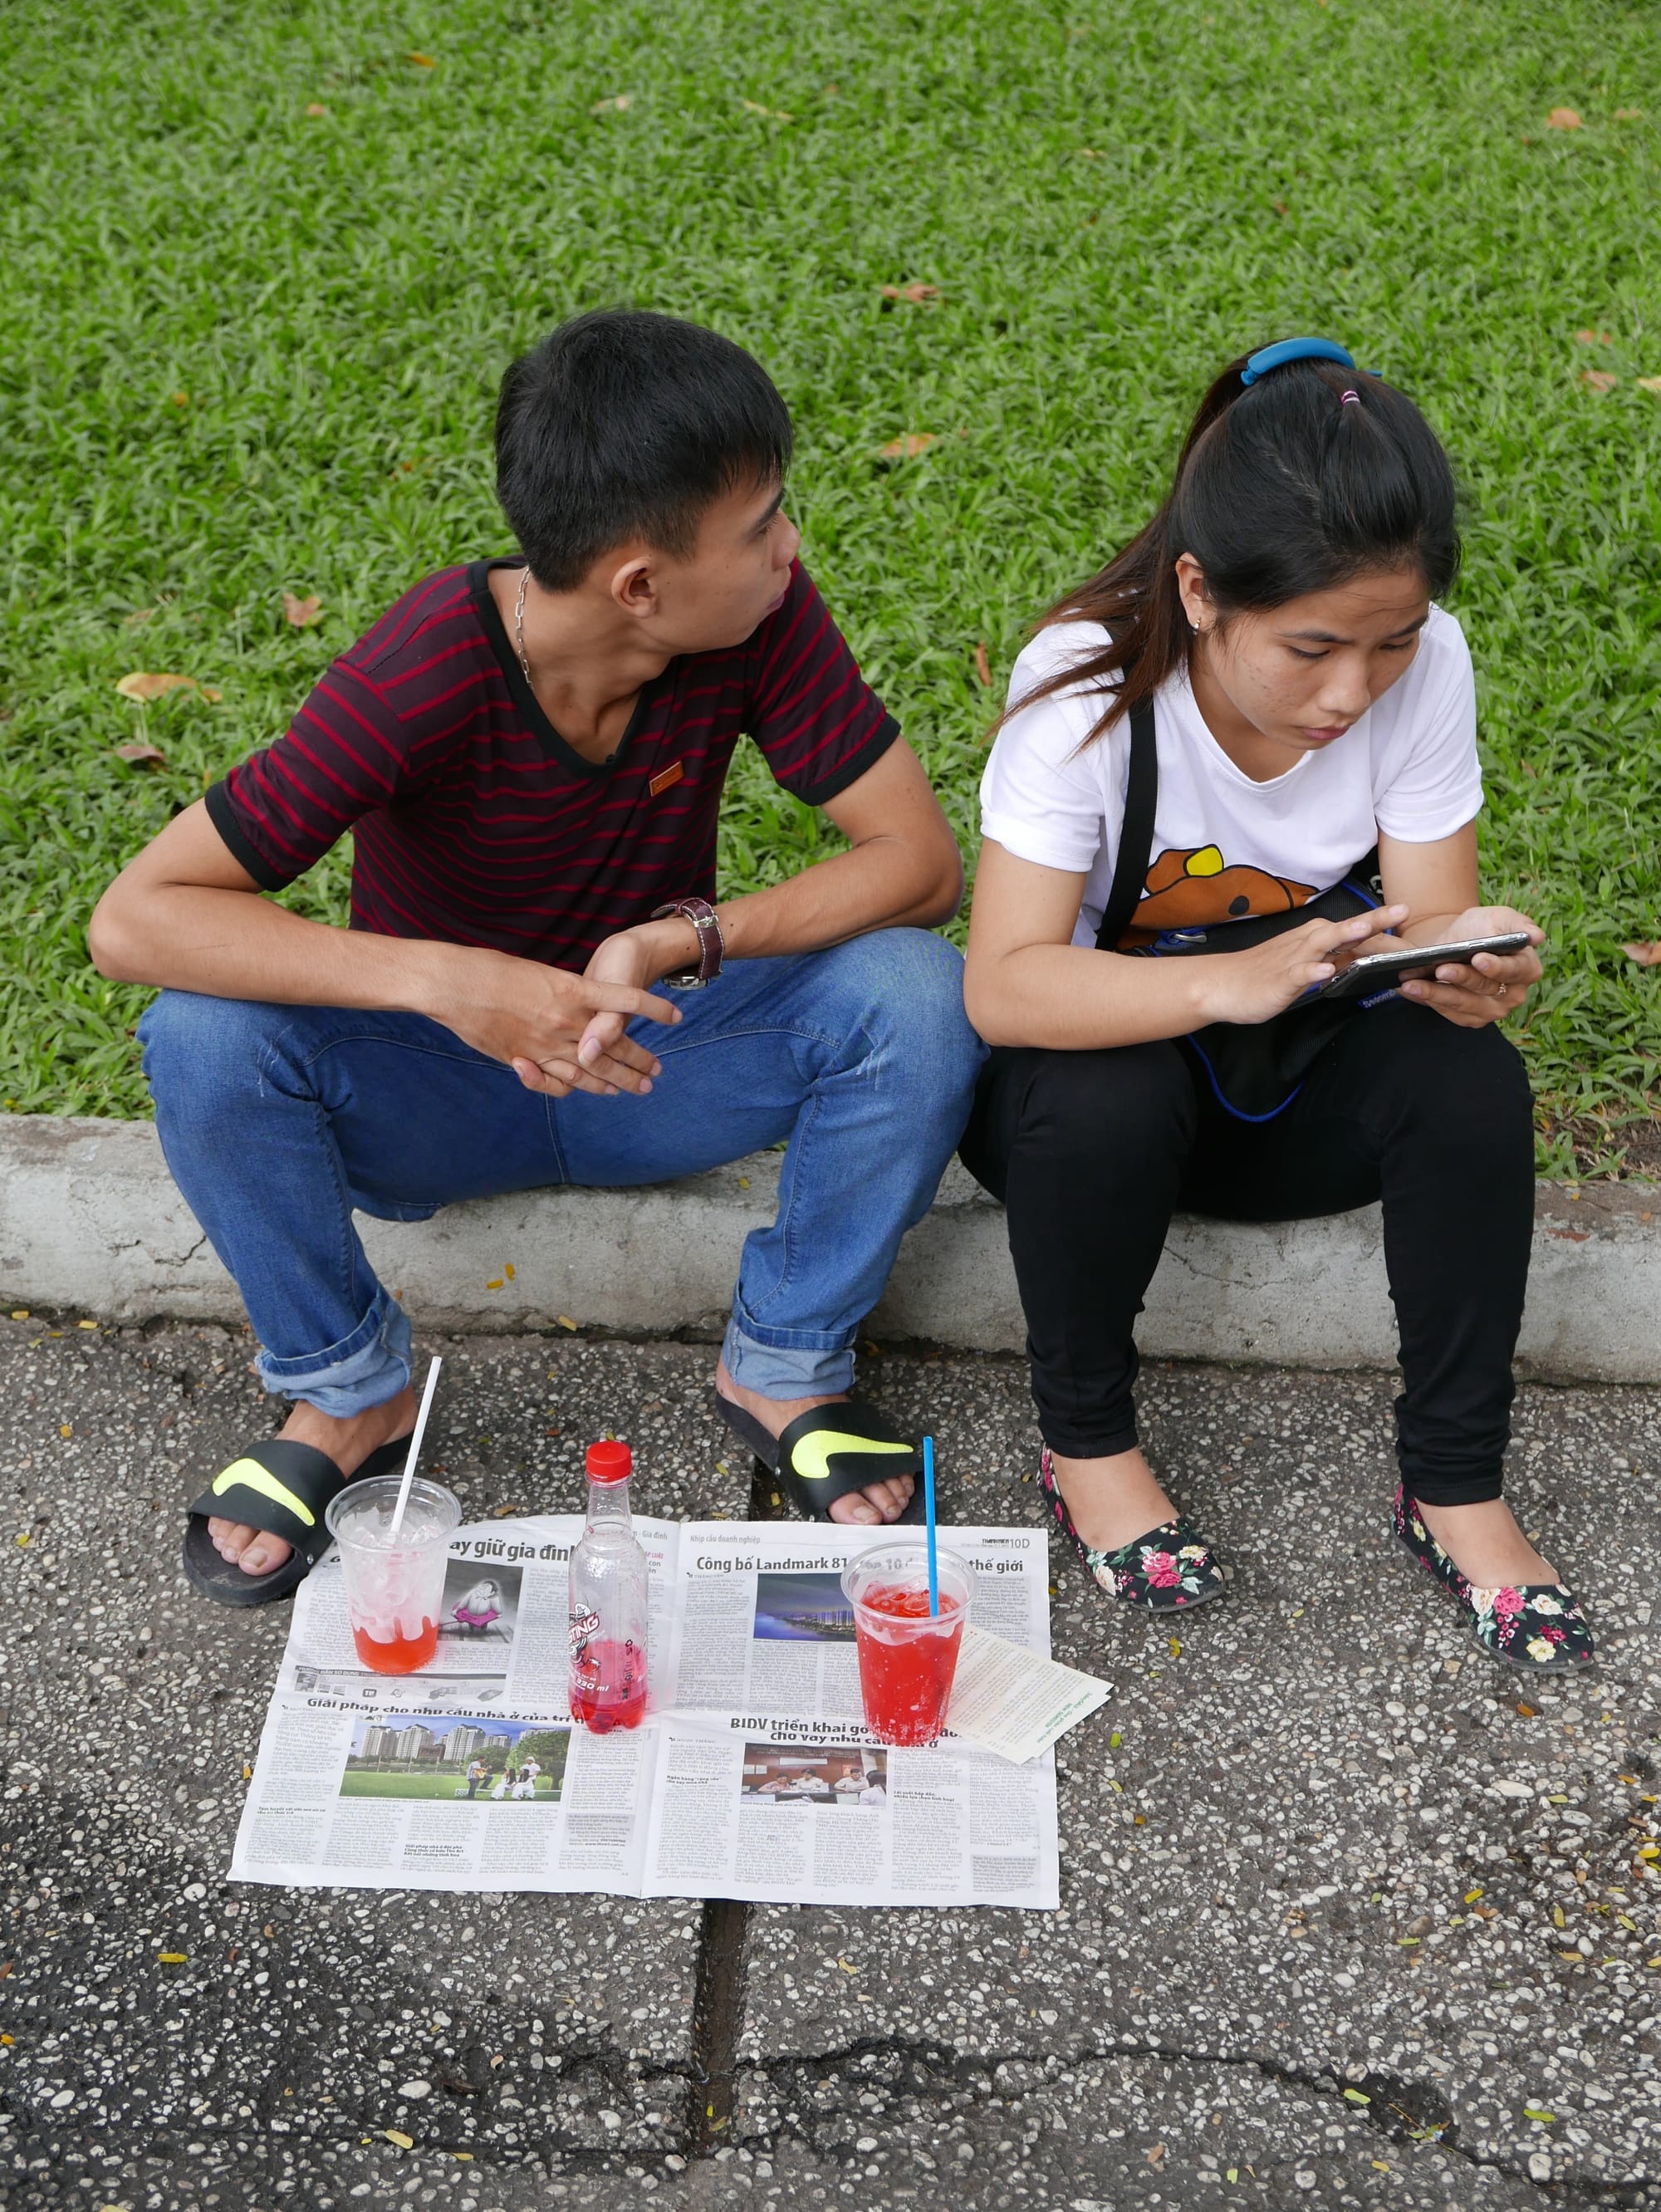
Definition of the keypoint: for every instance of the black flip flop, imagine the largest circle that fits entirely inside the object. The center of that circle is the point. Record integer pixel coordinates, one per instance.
(822, 1455)
(284, 1488)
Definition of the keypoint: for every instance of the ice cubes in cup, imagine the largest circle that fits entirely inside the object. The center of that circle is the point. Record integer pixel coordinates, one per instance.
(394, 1584)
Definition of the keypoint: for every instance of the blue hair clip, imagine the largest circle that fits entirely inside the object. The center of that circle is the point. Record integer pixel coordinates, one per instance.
(1277, 357)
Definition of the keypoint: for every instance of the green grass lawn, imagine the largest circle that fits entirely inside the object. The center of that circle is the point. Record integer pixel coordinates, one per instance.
(251, 348)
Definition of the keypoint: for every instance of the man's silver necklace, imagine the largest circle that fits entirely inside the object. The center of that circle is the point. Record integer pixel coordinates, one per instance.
(519, 621)
(519, 638)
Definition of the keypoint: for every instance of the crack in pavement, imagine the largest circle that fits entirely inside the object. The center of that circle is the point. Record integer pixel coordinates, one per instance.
(934, 2069)
(718, 2009)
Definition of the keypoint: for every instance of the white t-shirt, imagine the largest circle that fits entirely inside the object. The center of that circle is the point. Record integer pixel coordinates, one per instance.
(1223, 846)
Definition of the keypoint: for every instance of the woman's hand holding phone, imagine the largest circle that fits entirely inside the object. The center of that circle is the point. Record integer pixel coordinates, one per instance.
(1494, 984)
(1256, 986)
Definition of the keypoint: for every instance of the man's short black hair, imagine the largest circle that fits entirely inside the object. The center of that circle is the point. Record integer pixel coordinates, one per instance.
(622, 424)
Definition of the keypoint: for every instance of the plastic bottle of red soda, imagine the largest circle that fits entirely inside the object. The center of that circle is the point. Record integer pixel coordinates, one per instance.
(608, 1600)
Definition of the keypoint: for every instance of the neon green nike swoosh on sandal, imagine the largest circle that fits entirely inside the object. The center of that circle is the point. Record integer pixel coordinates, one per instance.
(252, 1476)
(828, 1453)
(284, 1488)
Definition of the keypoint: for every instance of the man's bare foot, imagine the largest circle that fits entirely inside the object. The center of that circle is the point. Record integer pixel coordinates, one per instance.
(876, 1502)
(347, 1443)
(1112, 1501)
(1485, 1544)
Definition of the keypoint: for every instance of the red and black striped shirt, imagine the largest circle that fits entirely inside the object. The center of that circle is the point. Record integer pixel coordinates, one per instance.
(475, 822)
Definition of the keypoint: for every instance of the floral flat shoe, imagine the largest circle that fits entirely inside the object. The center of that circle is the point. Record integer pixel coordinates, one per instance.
(1539, 1626)
(1171, 1565)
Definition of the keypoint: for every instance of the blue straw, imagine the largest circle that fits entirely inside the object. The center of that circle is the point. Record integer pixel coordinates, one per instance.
(928, 1508)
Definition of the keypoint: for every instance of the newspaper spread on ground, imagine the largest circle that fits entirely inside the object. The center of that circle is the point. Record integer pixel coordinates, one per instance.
(753, 1776)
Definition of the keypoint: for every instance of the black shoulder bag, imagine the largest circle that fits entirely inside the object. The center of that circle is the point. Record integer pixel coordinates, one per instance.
(1256, 1068)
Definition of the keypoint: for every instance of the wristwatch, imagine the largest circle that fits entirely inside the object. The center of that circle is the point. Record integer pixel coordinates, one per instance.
(711, 946)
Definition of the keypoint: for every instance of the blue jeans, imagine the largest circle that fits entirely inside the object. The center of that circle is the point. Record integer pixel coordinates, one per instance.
(278, 1120)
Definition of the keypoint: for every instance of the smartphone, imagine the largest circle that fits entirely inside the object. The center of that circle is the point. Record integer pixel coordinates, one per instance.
(1382, 971)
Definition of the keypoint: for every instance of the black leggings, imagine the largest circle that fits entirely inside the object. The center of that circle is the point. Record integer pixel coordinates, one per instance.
(1093, 1152)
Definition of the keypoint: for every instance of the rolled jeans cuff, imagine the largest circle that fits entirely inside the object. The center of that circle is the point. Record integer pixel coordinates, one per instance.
(787, 1368)
(364, 1369)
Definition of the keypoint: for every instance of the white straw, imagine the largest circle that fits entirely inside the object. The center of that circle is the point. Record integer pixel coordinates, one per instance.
(414, 1448)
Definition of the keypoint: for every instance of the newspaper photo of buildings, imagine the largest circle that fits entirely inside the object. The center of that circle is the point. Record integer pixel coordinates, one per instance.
(469, 1759)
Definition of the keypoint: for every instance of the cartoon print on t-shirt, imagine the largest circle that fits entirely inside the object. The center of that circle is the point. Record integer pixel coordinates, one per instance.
(1192, 889)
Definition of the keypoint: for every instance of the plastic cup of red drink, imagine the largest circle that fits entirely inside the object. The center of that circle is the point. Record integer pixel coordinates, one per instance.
(394, 1589)
(907, 1656)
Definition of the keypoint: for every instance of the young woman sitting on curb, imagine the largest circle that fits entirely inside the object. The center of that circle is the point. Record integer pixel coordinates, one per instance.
(1257, 709)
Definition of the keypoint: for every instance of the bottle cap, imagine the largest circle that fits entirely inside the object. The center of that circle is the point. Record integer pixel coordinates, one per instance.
(610, 1462)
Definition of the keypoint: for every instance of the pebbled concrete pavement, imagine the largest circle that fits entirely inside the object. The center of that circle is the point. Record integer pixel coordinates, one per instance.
(1271, 1838)
(1269, 1983)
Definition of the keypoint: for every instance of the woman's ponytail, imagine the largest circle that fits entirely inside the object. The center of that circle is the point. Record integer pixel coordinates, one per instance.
(1291, 482)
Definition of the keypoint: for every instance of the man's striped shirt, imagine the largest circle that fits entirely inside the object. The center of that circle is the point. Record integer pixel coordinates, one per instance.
(475, 822)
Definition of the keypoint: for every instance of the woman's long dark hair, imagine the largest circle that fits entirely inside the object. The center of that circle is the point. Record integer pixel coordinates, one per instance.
(1282, 487)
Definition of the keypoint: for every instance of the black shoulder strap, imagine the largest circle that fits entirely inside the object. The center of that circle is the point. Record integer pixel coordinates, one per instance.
(1136, 836)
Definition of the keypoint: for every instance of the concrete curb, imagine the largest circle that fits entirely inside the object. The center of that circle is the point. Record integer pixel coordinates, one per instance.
(90, 1219)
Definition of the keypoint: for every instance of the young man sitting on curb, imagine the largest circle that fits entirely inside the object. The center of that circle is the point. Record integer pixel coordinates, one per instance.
(529, 755)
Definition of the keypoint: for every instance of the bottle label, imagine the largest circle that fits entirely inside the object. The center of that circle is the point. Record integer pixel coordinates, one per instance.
(583, 1625)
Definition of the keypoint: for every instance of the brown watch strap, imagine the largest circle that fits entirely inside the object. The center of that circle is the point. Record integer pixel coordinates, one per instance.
(711, 946)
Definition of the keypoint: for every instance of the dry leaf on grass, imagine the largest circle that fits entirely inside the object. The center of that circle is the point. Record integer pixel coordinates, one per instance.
(1600, 379)
(1088, 154)
(1648, 383)
(1646, 956)
(1281, 207)
(140, 753)
(1562, 119)
(908, 447)
(982, 666)
(777, 114)
(181, 399)
(315, 107)
(301, 614)
(423, 61)
(1593, 337)
(619, 102)
(139, 616)
(917, 294)
(1628, 114)
(144, 684)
